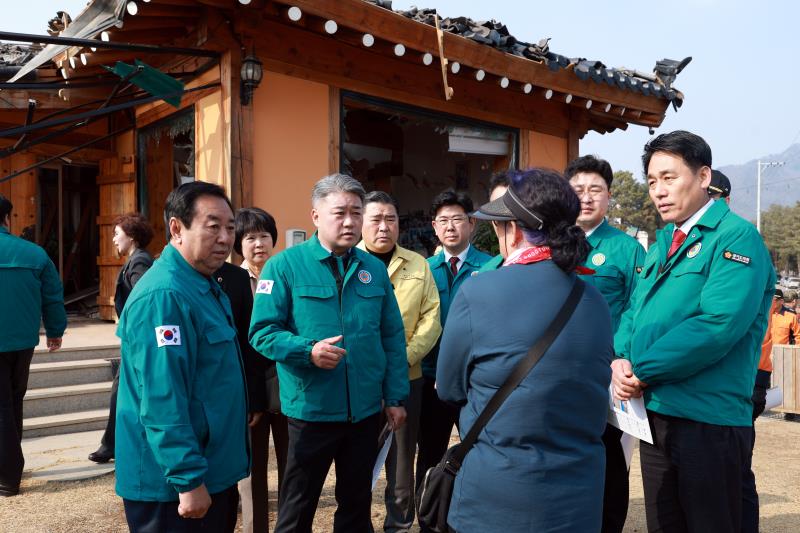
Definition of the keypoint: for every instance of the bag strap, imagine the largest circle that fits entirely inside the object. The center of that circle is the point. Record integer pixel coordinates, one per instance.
(519, 372)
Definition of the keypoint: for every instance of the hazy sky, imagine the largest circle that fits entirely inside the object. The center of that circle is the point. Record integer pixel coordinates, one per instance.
(740, 88)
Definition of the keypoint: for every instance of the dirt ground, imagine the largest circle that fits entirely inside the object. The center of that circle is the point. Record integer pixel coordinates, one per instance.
(92, 507)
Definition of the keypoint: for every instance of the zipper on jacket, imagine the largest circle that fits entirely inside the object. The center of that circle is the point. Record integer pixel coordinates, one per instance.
(248, 443)
(337, 274)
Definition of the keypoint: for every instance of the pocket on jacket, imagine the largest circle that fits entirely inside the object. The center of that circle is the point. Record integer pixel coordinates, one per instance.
(316, 311)
(219, 334)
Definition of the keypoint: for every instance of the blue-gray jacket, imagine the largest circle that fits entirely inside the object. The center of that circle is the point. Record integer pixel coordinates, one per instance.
(539, 464)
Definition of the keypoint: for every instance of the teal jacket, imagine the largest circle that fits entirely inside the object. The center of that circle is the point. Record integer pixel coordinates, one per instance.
(492, 264)
(617, 260)
(694, 329)
(297, 303)
(181, 406)
(31, 292)
(447, 291)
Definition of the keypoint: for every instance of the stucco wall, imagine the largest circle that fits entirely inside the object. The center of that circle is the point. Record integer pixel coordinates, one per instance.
(290, 146)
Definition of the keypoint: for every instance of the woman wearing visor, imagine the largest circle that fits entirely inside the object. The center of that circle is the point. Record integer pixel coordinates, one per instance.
(538, 465)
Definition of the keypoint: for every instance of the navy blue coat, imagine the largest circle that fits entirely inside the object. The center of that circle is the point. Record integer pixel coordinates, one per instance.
(539, 464)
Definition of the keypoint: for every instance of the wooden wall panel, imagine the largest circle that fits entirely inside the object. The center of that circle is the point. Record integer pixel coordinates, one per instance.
(117, 189)
(20, 190)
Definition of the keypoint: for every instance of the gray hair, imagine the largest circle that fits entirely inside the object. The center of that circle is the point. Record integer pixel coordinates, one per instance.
(336, 183)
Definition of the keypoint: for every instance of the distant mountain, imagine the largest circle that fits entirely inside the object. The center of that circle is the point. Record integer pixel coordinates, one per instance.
(779, 185)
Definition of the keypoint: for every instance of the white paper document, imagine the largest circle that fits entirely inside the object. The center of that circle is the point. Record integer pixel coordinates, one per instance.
(629, 416)
(774, 398)
(384, 451)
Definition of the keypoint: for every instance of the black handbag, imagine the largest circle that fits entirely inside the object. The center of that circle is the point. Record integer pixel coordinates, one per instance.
(434, 495)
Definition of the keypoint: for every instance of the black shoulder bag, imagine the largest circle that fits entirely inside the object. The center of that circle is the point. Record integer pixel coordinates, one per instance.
(436, 491)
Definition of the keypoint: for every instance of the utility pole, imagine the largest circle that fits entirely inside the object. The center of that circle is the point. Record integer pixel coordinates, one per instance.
(761, 165)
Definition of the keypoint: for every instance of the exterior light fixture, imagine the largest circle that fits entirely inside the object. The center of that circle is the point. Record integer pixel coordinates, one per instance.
(252, 72)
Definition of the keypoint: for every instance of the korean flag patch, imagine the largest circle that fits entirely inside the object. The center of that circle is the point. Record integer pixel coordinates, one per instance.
(168, 336)
(264, 286)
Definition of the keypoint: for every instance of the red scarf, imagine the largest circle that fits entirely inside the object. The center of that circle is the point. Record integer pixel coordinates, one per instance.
(534, 254)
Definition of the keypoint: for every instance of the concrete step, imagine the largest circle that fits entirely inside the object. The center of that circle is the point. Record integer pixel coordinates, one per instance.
(67, 399)
(76, 354)
(65, 423)
(65, 373)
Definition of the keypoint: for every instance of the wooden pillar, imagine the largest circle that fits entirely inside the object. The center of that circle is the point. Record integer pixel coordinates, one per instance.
(240, 127)
(335, 126)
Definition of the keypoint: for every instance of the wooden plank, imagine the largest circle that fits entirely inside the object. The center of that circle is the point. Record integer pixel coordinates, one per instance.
(335, 127)
(524, 148)
(328, 61)
(108, 179)
(394, 27)
(240, 127)
(164, 109)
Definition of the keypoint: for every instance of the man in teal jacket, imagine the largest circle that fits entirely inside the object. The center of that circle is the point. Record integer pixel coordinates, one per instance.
(690, 342)
(326, 313)
(31, 292)
(457, 261)
(616, 259)
(182, 411)
(498, 186)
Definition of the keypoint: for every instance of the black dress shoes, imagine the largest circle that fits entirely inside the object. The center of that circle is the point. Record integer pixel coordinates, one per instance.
(8, 491)
(101, 456)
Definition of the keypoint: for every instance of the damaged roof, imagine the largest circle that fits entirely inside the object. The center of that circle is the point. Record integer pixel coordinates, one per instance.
(496, 34)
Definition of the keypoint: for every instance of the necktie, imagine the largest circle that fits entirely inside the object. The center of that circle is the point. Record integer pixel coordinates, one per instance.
(677, 240)
(454, 266)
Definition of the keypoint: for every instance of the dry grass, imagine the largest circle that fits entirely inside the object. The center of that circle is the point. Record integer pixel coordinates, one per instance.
(92, 507)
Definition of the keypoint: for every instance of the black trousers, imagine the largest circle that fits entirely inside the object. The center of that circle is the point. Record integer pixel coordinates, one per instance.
(615, 497)
(313, 446)
(749, 492)
(163, 517)
(107, 442)
(436, 423)
(14, 368)
(692, 475)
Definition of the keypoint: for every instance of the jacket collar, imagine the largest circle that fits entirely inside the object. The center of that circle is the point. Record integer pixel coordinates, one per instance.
(4, 229)
(318, 251)
(399, 257)
(710, 220)
(471, 259)
(600, 232)
(173, 257)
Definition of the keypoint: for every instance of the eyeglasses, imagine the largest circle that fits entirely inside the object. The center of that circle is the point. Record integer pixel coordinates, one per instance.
(456, 220)
(593, 194)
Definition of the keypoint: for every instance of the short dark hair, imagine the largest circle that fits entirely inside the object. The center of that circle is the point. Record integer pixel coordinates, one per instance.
(693, 149)
(5, 208)
(590, 164)
(136, 227)
(498, 180)
(380, 197)
(252, 220)
(181, 201)
(451, 197)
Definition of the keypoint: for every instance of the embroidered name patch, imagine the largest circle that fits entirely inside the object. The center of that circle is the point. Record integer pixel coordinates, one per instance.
(738, 258)
(364, 276)
(264, 286)
(168, 336)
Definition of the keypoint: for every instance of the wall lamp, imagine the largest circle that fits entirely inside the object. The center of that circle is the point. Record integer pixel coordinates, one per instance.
(251, 74)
